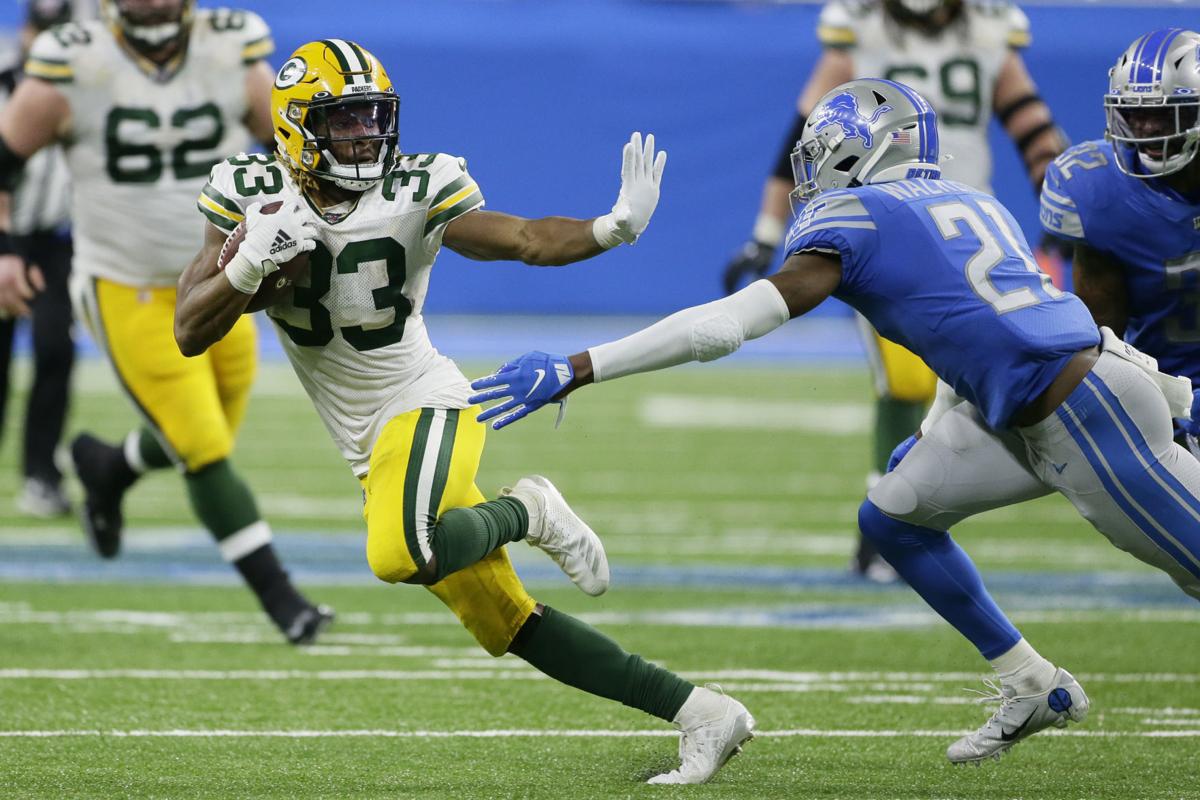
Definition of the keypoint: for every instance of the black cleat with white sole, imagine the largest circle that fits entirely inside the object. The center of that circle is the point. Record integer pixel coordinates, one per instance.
(105, 476)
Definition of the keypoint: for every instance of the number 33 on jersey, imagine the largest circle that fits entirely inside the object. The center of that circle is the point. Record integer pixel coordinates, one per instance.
(353, 328)
(370, 269)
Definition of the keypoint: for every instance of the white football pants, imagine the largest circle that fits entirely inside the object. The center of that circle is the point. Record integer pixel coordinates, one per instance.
(1108, 449)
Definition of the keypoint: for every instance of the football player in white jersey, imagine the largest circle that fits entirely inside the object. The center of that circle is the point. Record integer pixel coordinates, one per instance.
(963, 56)
(144, 102)
(371, 222)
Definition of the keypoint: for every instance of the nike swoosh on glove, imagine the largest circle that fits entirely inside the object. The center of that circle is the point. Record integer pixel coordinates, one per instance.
(523, 386)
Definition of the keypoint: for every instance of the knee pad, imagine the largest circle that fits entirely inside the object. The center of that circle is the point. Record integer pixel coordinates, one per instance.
(893, 495)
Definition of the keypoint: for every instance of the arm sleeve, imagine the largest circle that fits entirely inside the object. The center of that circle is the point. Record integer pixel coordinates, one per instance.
(257, 42)
(1059, 212)
(452, 192)
(699, 333)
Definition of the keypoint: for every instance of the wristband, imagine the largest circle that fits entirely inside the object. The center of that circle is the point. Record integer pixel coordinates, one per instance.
(243, 275)
(604, 230)
(6, 244)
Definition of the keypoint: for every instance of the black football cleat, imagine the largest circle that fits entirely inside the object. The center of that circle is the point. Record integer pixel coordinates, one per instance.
(105, 476)
(308, 624)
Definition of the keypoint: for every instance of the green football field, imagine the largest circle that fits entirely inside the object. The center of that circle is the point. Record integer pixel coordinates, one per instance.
(726, 498)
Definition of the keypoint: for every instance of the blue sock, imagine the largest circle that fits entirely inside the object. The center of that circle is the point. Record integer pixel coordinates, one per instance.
(943, 575)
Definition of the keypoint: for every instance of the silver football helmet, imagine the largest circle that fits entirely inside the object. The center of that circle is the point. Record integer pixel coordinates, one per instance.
(1152, 104)
(866, 131)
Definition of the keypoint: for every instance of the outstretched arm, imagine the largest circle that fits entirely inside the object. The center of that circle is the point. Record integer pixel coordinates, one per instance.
(553, 241)
(699, 333)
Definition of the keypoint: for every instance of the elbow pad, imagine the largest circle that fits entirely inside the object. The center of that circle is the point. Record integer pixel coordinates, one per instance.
(715, 337)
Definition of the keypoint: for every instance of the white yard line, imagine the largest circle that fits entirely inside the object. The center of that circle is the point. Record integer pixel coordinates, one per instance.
(219, 733)
(909, 681)
(740, 413)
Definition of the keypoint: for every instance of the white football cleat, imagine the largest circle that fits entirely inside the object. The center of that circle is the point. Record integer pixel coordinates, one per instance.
(559, 531)
(1020, 717)
(713, 729)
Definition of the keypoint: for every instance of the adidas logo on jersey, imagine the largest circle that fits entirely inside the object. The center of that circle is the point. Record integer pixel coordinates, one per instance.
(282, 242)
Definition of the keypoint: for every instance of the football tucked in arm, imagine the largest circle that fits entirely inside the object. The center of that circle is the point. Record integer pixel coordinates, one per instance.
(276, 286)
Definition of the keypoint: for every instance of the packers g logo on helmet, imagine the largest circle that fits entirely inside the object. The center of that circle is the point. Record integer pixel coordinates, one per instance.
(336, 115)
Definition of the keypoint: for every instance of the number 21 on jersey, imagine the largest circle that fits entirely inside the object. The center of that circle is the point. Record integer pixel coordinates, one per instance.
(993, 250)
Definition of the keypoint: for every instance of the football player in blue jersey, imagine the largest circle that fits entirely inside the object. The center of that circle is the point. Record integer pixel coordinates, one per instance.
(1131, 205)
(1046, 402)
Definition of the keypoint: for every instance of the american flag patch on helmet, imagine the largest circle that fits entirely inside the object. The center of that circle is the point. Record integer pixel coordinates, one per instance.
(901, 137)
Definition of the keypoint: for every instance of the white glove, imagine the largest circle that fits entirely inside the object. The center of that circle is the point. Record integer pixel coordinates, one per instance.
(271, 240)
(641, 173)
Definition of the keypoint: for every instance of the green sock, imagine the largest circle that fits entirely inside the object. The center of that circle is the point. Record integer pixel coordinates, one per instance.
(221, 499)
(153, 454)
(895, 421)
(463, 536)
(578, 655)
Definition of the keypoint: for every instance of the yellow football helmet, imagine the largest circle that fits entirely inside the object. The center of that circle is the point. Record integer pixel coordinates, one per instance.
(148, 26)
(336, 115)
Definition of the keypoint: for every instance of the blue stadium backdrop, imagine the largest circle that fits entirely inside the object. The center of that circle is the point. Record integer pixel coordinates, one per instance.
(539, 96)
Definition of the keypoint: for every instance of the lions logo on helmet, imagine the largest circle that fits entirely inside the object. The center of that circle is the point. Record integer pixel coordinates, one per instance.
(843, 112)
(1152, 108)
(842, 146)
(336, 115)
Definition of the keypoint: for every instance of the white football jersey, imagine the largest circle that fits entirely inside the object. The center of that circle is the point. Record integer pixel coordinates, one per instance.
(353, 328)
(955, 70)
(140, 145)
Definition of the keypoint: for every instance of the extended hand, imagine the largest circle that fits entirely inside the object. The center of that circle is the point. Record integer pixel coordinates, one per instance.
(18, 285)
(524, 385)
(641, 174)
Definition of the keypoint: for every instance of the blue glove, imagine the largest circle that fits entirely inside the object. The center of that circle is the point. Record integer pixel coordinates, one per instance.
(524, 385)
(1192, 425)
(900, 452)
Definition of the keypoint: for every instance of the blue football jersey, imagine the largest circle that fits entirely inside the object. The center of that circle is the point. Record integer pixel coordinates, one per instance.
(943, 270)
(1153, 231)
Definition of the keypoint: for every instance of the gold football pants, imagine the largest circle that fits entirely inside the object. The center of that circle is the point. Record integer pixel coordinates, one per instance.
(193, 405)
(896, 372)
(423, 464)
